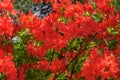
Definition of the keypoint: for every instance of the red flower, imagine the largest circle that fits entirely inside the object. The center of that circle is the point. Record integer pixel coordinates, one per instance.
(105, 66)
(44, 65)
(7, 67)
(57, 66)
(6, 26)
(110, 66)
(8, 6)
(2, 54)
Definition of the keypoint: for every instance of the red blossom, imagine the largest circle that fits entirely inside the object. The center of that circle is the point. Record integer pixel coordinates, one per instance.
(7, 67)
(44, 65)
(67, 21)
(57, 66)
(105, 66)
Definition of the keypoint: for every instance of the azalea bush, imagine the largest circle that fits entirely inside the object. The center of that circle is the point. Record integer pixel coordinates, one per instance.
(59, 40)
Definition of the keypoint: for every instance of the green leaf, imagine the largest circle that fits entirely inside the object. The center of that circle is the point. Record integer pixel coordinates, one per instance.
(97, 17)
(100, 52)
(20, 42)
(112, 31)
(3, 76)
(86, 14)
(91, 45)
(93, 4)
(23, 5)
(34, 74)
(116, 3)
(75, 44)
(106, 42)
(65, 20)
(78, 64)
(38, 43)
(113, 44)
(51, 54)
(63, 76)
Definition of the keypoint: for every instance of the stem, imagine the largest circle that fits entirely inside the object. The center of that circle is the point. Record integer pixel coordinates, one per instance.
(82, 49)
(73, 67)
(77, 56)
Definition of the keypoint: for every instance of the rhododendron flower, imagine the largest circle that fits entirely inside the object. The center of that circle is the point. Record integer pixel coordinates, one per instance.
(6, 25)
(21, 74)
(95, 21)
(103, 66)
(7, 67)
(6, 4)
(109, 66)
(57, 66)
(2, 54)
(44, 65)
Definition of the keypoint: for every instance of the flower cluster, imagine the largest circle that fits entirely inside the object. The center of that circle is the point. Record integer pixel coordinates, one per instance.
(60, 40)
